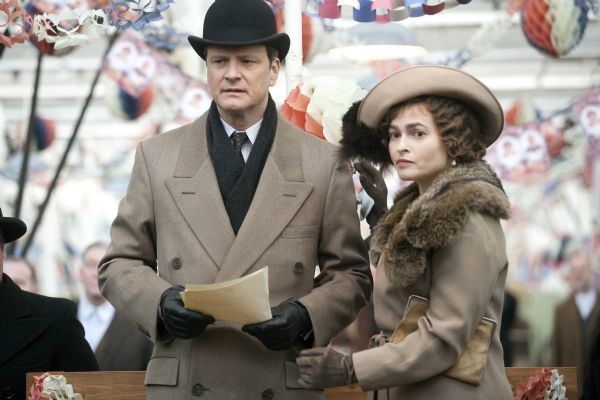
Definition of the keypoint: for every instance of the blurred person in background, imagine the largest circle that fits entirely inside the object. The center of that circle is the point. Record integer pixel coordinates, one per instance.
(117, 343)
(22, 272)
(577, 318)
(38, 333)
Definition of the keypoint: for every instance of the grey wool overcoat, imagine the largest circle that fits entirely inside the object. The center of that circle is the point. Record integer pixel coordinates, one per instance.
(172, 228)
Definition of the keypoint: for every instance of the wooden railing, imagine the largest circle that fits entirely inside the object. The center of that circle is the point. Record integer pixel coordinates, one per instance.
(130, 385)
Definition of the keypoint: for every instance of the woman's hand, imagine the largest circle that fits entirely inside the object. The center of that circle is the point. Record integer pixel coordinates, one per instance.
(323, 367)
(372, 181)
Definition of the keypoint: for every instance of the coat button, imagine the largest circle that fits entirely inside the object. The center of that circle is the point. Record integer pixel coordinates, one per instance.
(298, 268)
(268, 394)
(198, 389)
(176, 263)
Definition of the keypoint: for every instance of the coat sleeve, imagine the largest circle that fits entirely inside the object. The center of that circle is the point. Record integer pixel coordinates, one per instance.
(127, 274)
(344, 285)
(73, 352)
(464, 275)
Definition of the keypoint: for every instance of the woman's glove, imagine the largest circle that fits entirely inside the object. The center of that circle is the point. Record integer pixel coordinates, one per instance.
(372, 181)
(323, 367)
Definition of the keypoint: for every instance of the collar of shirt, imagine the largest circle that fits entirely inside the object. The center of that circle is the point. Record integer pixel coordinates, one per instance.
(252, 131)
(585, 302)
(104, 312)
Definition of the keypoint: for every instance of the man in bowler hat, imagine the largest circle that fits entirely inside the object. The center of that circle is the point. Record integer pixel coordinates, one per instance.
(37, 333)
(222, 197)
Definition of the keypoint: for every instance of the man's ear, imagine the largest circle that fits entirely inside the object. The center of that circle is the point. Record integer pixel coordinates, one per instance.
(275, 66)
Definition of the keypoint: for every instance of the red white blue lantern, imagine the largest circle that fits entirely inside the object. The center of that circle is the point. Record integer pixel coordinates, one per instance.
(554, 27)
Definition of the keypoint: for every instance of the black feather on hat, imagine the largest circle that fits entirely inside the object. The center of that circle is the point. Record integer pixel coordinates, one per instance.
(360, 141)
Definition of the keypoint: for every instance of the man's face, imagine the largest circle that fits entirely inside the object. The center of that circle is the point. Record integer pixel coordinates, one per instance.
(88, 274)
(239, 79)
(20, 273)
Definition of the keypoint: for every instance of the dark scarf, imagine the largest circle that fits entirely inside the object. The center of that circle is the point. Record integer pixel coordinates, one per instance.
(415, 225)
(238, 180)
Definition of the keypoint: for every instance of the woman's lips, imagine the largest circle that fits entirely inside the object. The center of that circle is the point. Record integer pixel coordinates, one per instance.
(404, 163)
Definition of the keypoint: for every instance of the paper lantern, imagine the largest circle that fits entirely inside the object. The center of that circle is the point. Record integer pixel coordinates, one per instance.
(15, 24)
(330, 9)
(43, 45)
(125, 105)
(44, 133)
(522, 112)
(364, 13)
(554, 27)
(318, 105)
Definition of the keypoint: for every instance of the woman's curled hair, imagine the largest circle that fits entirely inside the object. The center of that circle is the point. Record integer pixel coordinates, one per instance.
(457, 123)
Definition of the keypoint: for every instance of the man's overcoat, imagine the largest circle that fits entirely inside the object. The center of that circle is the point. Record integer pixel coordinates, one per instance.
(173, 221)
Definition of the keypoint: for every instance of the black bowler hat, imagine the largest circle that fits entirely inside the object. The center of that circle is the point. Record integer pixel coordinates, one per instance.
(12, 228)
(240, 23)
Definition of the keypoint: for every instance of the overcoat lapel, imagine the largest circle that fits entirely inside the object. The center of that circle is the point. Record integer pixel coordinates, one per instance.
(280, 193)
(195, 190)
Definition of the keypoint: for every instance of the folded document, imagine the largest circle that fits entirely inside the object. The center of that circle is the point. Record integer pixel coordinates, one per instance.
(244, 300)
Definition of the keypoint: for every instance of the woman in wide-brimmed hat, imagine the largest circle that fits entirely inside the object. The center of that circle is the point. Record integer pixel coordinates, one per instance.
(441, 240)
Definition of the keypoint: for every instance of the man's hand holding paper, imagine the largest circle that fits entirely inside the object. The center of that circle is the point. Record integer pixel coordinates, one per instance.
(244, 300)
(179, 321)
(290, 322)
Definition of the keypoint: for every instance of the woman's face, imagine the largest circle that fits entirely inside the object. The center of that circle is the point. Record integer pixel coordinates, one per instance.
(416, 147)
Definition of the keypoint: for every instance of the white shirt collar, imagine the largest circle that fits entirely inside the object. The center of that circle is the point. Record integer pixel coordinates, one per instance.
(585, 302)
(252, 132)
(104, 312)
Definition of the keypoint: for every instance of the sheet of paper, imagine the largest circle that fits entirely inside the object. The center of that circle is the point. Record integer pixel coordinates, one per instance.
(244, 300)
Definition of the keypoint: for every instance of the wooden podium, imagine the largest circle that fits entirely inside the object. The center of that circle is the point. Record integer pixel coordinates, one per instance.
(130, 385)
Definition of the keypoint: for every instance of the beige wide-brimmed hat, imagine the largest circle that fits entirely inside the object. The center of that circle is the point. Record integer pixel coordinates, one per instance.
(433, 80)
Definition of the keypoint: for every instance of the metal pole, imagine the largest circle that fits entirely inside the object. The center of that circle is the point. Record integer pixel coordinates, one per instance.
(63, 160)
(293, 27)
(27, 145)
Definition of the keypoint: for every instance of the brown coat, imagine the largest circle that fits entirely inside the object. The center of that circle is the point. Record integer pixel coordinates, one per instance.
(568, 337)
(173, 220)
(448, 246)
(123, 347)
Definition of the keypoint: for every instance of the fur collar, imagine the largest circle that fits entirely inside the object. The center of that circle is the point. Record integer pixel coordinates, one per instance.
(415, 224)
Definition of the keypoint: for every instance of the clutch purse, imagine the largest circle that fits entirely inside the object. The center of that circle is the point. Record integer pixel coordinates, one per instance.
(470, 366)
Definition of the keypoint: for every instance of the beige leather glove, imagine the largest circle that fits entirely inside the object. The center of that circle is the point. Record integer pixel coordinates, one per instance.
(323, 367)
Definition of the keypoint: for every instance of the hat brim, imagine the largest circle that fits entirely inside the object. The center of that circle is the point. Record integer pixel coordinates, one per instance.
(280, 41)
(12, 228)
(434, 80)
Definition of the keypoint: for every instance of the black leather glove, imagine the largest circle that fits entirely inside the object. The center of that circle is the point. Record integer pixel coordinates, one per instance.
(289, 323)
(373, 183)
(324, 367)
(179, 321)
